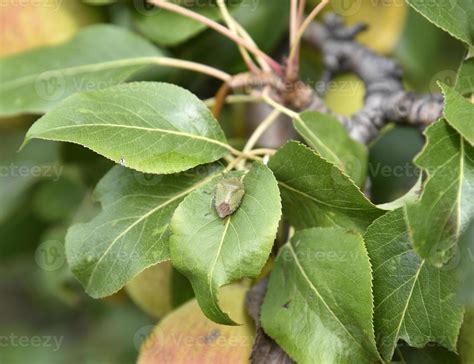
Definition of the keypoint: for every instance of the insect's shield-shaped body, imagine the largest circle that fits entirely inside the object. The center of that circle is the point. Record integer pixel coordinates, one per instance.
(229, 194)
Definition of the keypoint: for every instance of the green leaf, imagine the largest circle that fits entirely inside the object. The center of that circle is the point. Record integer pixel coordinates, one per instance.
(318, 306)
(446, 205)
(328, 137)
(454, 16)
(211, 251)
(168, 28)
(316, 193)
(414, 301)
(131, 233)
(465, 76)
(459, 112)
(148, 126)
(98, 56)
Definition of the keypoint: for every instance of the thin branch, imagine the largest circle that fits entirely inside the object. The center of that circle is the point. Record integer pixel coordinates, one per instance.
(235, 99)
(192, 66)
(303, 27)
(230, 21)
(219, 28)
(263, 151)
(301, 7)
(244, 34)
(278, 106)
(293, 20)
(262, 127)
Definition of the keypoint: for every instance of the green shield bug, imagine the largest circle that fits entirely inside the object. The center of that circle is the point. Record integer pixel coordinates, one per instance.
(229, 194)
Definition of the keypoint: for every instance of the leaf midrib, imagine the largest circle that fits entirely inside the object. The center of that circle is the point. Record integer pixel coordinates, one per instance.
(315, 290)
(188, 135)
(322, 202)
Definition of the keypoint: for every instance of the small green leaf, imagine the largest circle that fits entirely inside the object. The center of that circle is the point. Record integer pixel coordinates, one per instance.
(98, 56)
(316, 193)
(459, 112)
(414, 301)
(318, 306)
(454, 16)
(131, 233)
(446, 205)
(211, 251)
(328, 137)
(148, 126)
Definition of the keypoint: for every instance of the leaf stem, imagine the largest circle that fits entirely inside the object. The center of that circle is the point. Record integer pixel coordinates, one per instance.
(278, 106)
(293, 20)
(219, 28)
(235, 99)
(230, 21)
(303, 27)
(192, 66)
(263, 126)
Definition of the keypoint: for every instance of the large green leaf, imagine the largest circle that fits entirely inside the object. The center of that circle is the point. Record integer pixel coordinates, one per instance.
(98, 56)
(212, 251)
(414, 301)
(459, 113)
(318, 306)
(316, 193)
(447, 202)
(151, 127)
(131, 233)
(329, 138)
(454, 16)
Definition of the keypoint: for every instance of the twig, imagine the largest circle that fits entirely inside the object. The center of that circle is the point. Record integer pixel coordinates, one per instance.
(303, 27)
(192, 66)
(235, 99)
(230, 21)
(278, 106)
(262, 127)
(219, 28)
(293, 20)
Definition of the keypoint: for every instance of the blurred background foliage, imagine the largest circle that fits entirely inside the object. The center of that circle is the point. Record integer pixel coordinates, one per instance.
(39, 296)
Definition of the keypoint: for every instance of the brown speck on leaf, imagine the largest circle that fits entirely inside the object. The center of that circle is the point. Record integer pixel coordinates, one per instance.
(286, 305)
(211, 337)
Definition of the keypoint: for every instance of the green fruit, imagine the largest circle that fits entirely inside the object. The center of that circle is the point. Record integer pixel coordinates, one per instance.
(151, 290)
